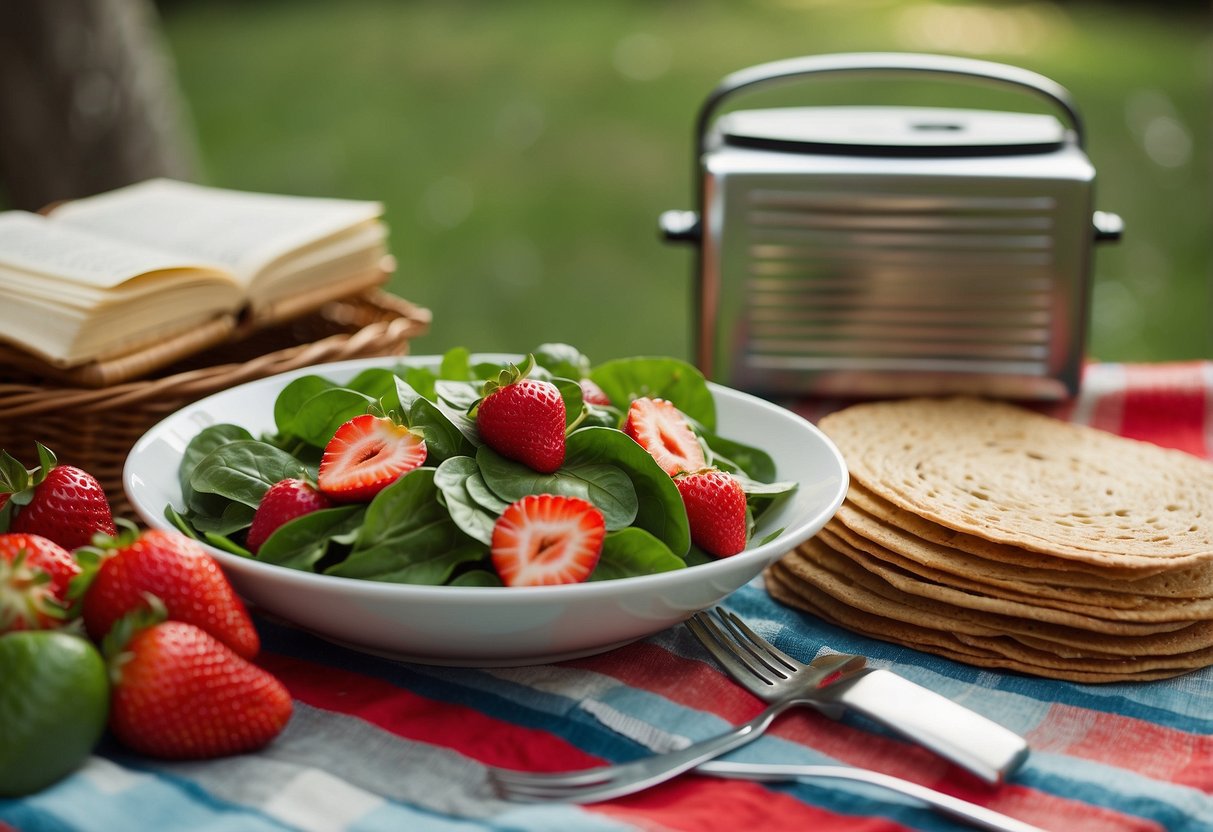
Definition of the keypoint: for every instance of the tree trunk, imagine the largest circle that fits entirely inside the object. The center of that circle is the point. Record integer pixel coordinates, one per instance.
(88, 100)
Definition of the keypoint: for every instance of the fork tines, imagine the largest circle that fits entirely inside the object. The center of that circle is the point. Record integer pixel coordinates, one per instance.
(757, 657)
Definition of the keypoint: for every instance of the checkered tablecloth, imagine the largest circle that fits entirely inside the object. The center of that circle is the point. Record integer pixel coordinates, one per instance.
(380, 745)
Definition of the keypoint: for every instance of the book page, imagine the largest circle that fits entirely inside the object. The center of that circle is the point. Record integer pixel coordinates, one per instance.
(352, 252)
(241, 230)
(32, 243)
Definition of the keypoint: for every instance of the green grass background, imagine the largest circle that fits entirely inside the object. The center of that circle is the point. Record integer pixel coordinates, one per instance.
(525, 149)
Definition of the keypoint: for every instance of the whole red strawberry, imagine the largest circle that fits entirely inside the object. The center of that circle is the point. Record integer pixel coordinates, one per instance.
(34, 577)
(181, 694)
(547, 539)
(282, 502)
(716, 511)
(178, 571)
(366, 455)
(661, 429)
(523, 419)
(591, 393)
(60, 502)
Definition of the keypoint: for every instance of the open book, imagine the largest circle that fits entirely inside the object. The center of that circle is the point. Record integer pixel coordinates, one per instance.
(109, 274)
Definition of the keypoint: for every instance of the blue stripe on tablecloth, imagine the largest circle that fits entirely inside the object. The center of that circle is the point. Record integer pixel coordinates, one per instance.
(145, 801)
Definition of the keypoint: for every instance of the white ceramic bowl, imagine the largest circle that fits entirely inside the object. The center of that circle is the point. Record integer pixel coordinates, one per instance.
(495, 626)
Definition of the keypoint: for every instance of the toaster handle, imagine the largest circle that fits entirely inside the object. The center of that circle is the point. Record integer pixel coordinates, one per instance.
(686, 226)
(861, 63)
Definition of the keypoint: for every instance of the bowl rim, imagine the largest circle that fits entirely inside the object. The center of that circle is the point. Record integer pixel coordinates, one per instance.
(793, 534)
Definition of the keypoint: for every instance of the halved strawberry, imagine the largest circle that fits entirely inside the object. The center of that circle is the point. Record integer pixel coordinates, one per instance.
(283, 501)
(366, 455)
(715, 504)
(34, 576)
(547, 539)
(664, 432)
(523, 419)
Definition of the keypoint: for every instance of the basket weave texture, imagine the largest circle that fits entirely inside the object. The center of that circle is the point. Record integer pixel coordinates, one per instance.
(95, 428)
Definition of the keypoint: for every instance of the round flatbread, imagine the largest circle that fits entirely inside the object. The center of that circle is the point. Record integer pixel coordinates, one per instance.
(935, 546)
(835, 574)
(1044, 594)
(1011, 476)
(788, 589)
(974, 595)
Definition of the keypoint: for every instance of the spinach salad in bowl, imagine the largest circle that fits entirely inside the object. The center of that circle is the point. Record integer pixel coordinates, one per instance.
(466, 473)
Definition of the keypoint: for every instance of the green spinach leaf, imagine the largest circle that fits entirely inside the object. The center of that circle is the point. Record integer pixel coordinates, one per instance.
(677, 381)
(659, 505)
(408, 536)
(605, 485)
(452, 478)
(319, 417)
(630, 552)
(444, 438)
(243, 470)
(300, 543)
(207, 440)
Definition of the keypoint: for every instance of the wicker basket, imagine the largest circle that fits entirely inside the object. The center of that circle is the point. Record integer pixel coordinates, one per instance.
(95, 428)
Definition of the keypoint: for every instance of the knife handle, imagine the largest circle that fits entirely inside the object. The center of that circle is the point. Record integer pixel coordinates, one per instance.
(951, 730)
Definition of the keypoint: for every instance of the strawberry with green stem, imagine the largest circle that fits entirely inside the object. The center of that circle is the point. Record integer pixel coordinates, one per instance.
(60, 502)
(179, 693)
(119, 574)
(522, 418)
(35, 574)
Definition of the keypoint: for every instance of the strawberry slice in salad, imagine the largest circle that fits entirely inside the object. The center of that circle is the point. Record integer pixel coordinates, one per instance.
(366, 455)
(547, 539)
(659, 428)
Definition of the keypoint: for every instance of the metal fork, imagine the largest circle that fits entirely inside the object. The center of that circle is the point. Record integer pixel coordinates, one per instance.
(603, 783)
(606, 782)
(951, 730)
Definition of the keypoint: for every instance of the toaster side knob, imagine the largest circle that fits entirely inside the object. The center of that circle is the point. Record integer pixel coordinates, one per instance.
(680, 226)
(1108, 227)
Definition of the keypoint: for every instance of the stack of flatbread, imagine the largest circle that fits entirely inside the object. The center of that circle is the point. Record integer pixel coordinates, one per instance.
(1003, 538)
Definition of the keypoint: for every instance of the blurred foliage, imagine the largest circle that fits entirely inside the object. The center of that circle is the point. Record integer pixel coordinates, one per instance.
(525, 149)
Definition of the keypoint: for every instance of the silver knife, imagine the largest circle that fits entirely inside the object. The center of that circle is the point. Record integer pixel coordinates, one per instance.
(980, 745)
(961, 810)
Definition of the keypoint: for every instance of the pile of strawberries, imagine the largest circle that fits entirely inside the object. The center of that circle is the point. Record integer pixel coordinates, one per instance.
(177, 641)
(542, 538)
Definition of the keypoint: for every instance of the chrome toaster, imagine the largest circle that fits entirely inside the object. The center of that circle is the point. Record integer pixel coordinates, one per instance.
(891, 250)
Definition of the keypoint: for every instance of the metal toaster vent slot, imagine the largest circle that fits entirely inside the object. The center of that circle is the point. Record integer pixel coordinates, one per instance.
(899, 281)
